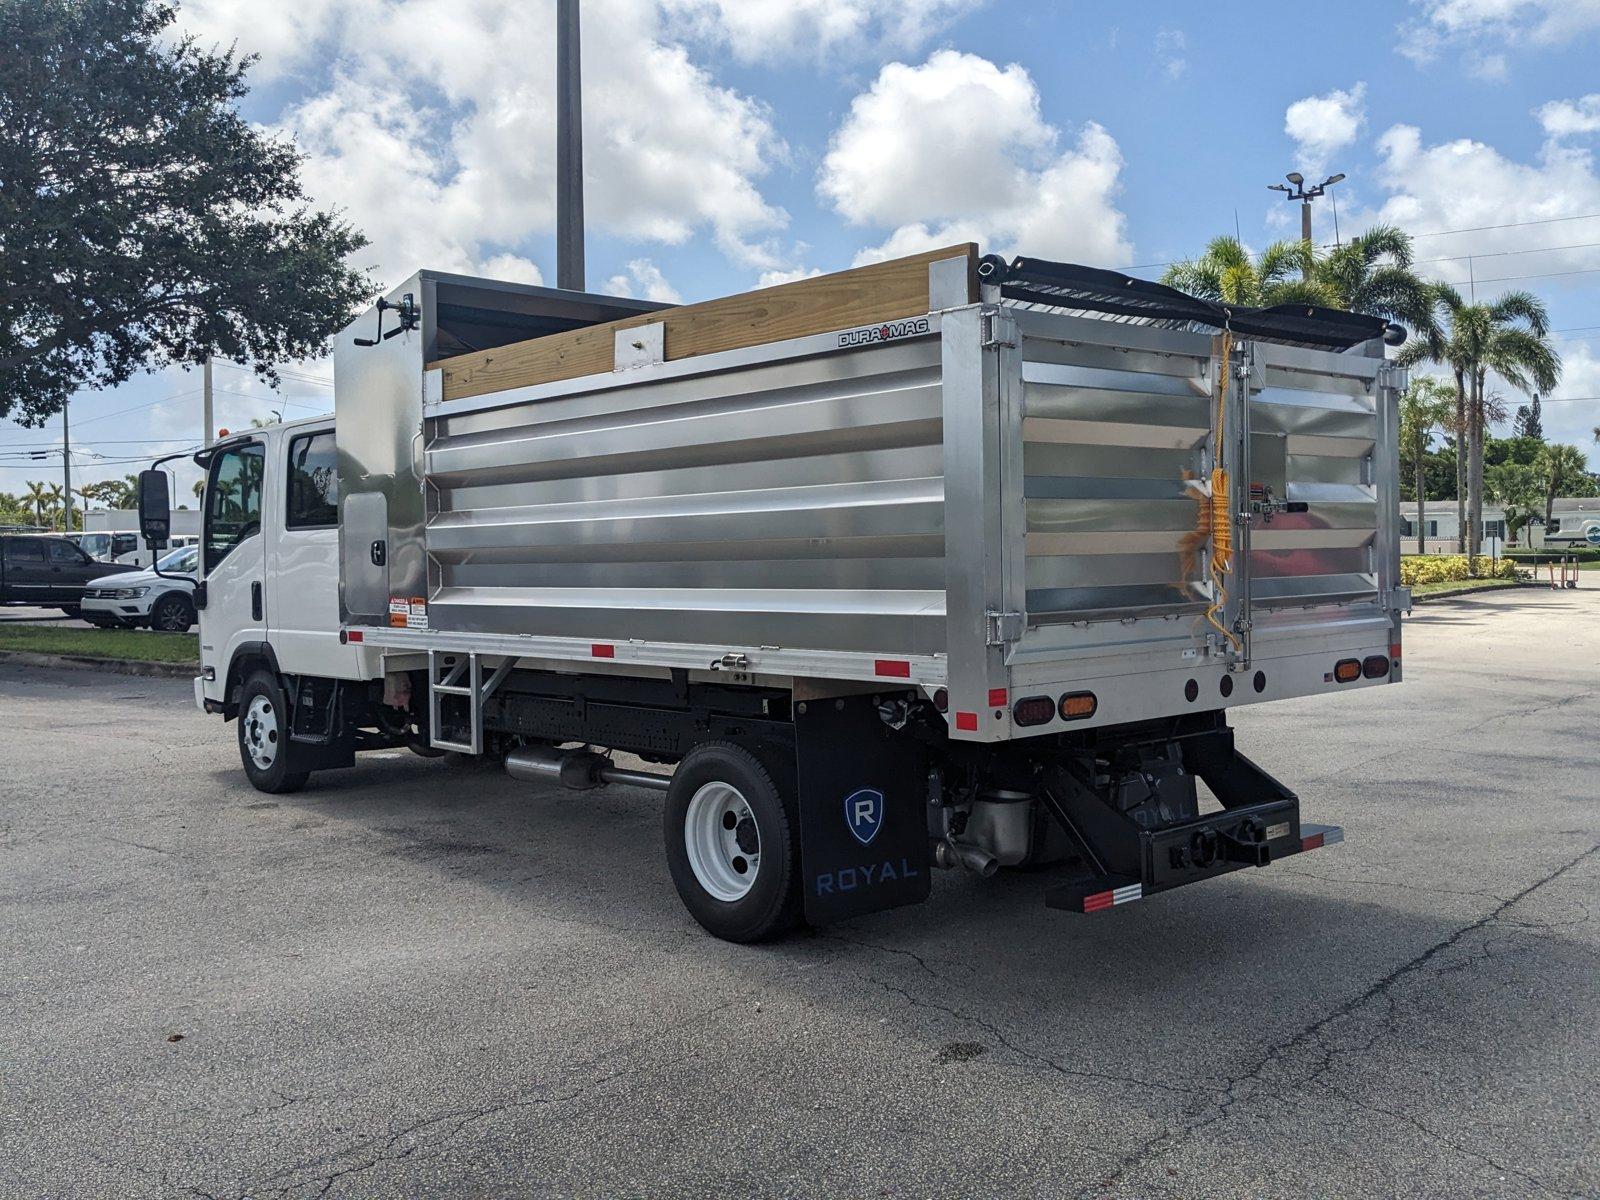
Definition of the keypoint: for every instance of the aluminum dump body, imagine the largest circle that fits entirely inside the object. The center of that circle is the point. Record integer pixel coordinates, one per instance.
(979, 492)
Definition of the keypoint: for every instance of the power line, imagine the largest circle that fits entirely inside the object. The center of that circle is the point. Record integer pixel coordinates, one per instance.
(1509, 225)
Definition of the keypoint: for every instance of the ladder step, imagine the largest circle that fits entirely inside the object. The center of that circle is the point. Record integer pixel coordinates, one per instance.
(450, 689)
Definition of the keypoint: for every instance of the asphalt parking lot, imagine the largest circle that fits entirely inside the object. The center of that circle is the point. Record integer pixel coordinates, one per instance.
(419, 978)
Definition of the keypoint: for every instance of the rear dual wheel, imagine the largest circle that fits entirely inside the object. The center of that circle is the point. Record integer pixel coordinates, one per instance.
(731, 847)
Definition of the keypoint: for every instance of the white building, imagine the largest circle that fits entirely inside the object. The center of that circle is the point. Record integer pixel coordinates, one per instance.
(1567, 520)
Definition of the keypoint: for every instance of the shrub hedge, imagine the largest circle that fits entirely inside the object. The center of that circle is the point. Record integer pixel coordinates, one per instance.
(1448, 568)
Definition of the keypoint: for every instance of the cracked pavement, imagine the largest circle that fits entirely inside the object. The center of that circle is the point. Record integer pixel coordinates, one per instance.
(421, 978)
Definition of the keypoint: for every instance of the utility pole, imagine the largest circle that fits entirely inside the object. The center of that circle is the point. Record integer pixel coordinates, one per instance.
(1305, 195)
(66, 467)
(209, 430)
(569, 149)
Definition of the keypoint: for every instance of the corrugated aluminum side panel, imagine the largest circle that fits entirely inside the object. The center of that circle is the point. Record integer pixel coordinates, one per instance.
(1314, 422)
(1113, 439)
(794, 504)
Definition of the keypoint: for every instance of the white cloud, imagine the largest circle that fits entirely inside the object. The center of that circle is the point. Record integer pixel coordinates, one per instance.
(645, 281)
(1482, 29)
(1172, 47)
(956, 149)
(435, 128)
(764, 30)
(1323, 125)
(774, 278)
(1469, 185)
(513, 268)
(1563, 118)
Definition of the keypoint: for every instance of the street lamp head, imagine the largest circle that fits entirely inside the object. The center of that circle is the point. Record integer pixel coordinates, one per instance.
(1295, 178)
(1332, 179)
(1277, 187)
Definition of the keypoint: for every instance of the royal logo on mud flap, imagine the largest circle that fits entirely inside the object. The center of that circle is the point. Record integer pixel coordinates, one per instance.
(863, 813)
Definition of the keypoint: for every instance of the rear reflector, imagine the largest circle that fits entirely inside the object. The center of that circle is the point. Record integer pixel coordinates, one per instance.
(967, 721)
(1394, 651)
(1121, 895)
(1034, 710)
(1347, 670)
(354, 635)
(1375, 666)
(1078, 706)
(601, 650)
(997, 697)
(896, 668)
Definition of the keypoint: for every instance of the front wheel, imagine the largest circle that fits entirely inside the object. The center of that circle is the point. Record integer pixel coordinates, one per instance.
(173, 613)
(264, 745)
(731, 847)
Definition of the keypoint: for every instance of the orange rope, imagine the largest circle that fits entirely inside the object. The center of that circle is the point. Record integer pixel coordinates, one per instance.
(1220, 513)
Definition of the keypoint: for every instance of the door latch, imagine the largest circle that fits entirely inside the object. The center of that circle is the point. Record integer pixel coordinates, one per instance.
(380, 553)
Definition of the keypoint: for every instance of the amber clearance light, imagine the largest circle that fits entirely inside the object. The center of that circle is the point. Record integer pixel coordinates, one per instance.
(1347, 670)
(1078, 706)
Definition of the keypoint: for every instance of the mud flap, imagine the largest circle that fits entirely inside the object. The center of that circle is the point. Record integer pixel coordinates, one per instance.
(862, 805)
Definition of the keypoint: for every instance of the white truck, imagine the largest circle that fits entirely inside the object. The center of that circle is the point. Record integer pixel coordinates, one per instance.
(943, 562)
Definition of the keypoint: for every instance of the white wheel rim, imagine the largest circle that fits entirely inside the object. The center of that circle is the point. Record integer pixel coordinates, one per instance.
(723, 841)
(261, 732)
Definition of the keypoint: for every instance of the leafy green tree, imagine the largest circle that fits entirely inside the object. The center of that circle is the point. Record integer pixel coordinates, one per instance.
(1371, 274)
(1519, 490)
(38, 493)
(1227, 273)
(1529, 421)
(143, 221)
(1507, 337)
(1561, 468)
(1427, 404)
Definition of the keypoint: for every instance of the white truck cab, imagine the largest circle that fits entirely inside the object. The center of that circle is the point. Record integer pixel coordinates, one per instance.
(270, 561)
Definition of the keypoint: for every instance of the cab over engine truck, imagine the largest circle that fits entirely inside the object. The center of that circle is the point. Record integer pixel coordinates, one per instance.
(942, 562)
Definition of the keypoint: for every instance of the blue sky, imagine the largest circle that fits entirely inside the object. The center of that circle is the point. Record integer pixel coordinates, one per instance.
(735, 141)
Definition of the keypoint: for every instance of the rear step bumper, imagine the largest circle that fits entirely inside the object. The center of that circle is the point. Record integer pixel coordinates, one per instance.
(1100, 892)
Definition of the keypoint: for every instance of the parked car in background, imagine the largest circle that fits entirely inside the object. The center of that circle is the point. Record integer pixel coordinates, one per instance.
(106, 547)
(144, 598)
(48, 570)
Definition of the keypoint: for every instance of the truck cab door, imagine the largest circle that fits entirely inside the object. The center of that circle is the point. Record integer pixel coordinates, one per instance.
(303, 554)
(25, 580)
(233, 558)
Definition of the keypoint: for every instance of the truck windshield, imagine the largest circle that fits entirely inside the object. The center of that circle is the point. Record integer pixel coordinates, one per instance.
(95, 545)
(233, 500)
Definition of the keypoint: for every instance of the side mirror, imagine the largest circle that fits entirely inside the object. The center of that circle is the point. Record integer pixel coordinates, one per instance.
(155, 508)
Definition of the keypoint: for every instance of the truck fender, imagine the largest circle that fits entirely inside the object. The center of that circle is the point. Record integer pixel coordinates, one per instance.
(246, 657)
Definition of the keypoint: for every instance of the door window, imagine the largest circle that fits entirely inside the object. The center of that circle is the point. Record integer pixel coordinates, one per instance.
(24, 552)
(313, 482)
(233, 500)
(64, 553)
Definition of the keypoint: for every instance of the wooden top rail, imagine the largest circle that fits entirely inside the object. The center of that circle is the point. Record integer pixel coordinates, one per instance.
(887, 291)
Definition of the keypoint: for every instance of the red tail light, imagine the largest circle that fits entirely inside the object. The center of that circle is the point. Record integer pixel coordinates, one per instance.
(1375, 666)
(1033, 710)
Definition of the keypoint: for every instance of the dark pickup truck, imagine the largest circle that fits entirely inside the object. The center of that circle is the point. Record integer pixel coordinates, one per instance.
(49, 571)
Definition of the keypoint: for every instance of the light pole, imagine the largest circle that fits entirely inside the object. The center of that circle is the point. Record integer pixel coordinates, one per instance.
(569, 149)
(1305, 195)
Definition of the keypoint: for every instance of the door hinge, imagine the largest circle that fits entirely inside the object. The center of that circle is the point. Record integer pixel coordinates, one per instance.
(1004, 627)
(998, 330)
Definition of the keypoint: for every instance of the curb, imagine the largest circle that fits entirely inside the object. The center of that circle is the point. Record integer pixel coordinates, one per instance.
(1474, 591)
(84, 662)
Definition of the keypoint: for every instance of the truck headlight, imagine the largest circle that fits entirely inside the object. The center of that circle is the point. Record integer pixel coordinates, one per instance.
(131, 593)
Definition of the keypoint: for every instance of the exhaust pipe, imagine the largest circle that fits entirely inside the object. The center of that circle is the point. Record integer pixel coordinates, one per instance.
(949, 853)
(580, 770)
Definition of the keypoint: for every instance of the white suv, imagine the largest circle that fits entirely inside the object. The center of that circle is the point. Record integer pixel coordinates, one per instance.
(145, 598)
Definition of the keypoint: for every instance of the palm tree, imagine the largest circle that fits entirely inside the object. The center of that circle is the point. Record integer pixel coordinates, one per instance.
(1506, 337)
(1226, 274)
(1426, 404)
(54, 495)
(1559, 466)
(1371, 274)
(38, 493)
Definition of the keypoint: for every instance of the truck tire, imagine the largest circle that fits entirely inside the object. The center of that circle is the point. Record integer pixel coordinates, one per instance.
(264, 745)
(731, 847)
(173, 613)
